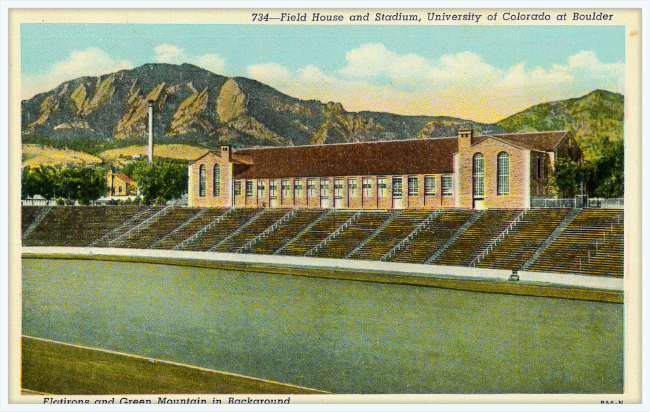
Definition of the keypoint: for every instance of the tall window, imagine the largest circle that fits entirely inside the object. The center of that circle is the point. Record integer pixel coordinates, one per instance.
(238, 188)
(413, 186)
(286, 189)
(325, 190)
(273, 187)
(430, 186)
(203, 181)
(447, 186)
(338, 188)
(503, 174)
(311, 188)
(352, 188)
(478, 175)
(216, 180)
(367, 187)
(250, 188)
(297, 189)
(382, 186)
(398, 191)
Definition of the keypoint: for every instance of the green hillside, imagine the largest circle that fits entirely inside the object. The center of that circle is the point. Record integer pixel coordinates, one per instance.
(596, 119)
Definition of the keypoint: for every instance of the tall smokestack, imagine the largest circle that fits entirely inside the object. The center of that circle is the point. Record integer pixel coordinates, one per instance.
(150, 147)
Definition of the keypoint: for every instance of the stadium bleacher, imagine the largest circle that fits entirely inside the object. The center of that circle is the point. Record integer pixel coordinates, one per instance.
(479, 235)
(585, 238)
(391, 235)
(144, 237)
(432, 237)
(524, 239)
(266, 219)
(316, 234)
(285, 232)
(77, 225)
(28, 216)
(222, 229)
(189, 229)
(345, 242)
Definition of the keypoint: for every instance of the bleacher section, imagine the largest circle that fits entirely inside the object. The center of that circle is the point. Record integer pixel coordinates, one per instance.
(607, 260)
(77, 225)
(189, 229)
(144, 237)
(316, 234)
(285, 232)
(28, 215)
(478, 236)
(133, 221)
(592, 242)
(345, 242)
(524, 239)
(264, 221)
(422, 246)
(222, 229)
(593, 234)
(391, 235)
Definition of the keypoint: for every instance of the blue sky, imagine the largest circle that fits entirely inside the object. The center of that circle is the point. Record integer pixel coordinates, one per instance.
(479, 72)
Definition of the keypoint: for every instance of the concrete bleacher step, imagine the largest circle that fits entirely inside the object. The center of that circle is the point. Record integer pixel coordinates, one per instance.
(204, 229)
(268, 231)
(178, 228)
(558, 230)
(334, 234)
(142, 225)
(386, 222)
(496, 240)
(475, 216)
(107, 236)
(307, 228)
(410, 236)
(239, 229)
(36, 221)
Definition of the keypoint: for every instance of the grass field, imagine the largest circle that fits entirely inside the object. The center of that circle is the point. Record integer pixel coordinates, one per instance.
(55, 368)
(170, 151)
(35, 156)
(335, 335)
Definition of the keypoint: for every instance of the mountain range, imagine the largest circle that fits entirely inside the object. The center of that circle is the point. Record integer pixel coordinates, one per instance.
(200, 108)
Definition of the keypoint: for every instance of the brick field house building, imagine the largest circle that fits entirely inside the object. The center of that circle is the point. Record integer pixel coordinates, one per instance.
(464, 171)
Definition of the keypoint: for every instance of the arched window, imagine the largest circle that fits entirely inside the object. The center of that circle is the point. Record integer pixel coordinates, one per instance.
(478, 175)
(216, 180)
(503, 174)
(203, 181)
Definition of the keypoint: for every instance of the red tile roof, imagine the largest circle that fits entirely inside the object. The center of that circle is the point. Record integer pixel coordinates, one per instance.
(125, 178)
(350, 159)
(540, 141)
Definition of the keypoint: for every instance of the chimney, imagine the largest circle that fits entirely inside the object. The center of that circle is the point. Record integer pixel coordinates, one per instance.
(465, 138)
(225, 153)
(150, 147)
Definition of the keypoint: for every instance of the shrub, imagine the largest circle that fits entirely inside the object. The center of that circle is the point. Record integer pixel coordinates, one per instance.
(69, 202)
(59, 201)
(137, 201)
(127, 201)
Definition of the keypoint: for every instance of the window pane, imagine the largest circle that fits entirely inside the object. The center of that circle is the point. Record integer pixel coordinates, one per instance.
(413, 186)
(203, 181)
(479, 175)
(216, 180)
(503, 171)
(447, 188)
(397, 187)
(430, 185)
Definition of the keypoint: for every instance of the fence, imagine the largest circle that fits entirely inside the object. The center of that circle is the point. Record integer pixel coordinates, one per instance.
(573, 202)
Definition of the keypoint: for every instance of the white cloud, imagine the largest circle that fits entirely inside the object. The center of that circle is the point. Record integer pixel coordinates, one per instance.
(460, 85)
(167, 53)
(89, 62)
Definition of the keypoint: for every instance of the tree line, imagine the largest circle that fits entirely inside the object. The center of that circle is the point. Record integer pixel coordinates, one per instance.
(158, 182)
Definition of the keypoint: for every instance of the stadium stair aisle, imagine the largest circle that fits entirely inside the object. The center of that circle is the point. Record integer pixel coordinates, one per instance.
(391, 235)
(222, 229)
(347, 240)
(478, 236)
(285, 232)
(263, 222)
(432, 237)
(316, 234)
(28, 216)
(189, 229)
(524, 239)
(144, 237)
(594, 233)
